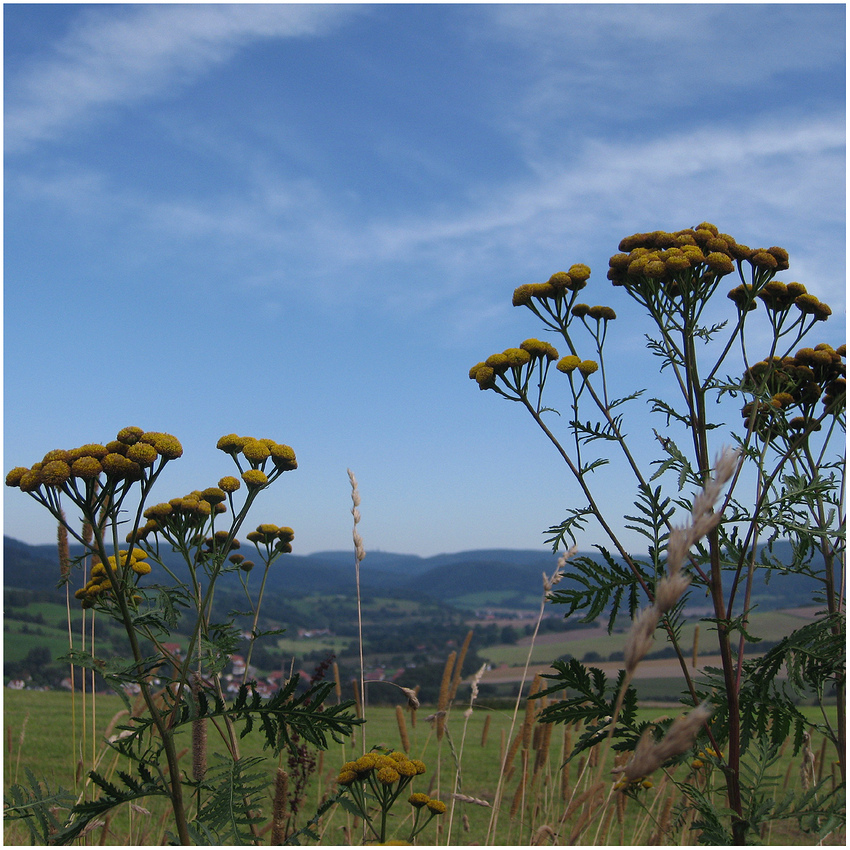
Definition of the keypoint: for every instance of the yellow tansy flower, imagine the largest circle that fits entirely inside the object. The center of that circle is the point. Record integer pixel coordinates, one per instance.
(255, 478)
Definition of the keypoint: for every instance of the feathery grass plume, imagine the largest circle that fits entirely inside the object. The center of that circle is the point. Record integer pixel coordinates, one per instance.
(461, 657)
(519, 794)
(337, 683)
(566, 747)
(21, 739)
(359, 555)
(530, 711)
(511, 754)
(486, 730)
(402, 728)
(649, 755)
(358, 705)
(443, 701)
(807, 765)
(412, 704)
(279, 813)
(671, 587)
(543, 833)
(821, 759)
(62, 542)
(465, 798)
(412, 698)
(640, 638)
(543, 748)
(199, 739)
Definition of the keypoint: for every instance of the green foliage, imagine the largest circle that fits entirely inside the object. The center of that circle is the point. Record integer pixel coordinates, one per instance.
(593, 704)
(601, 587)
(227, 814)
(787, 485)
(818, 810)
(84, 812)
(36, 805)
(106, 484)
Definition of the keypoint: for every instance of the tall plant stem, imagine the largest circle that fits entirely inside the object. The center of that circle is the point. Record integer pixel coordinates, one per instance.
(615, 540)
(166, 735)
(832, 602)
(360, 650)
(696, 400)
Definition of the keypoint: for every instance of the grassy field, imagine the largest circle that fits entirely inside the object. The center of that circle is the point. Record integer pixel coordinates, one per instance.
(769, 626)
(39, 735)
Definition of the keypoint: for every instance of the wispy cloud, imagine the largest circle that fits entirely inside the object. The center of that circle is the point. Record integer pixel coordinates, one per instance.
(773, 179)
(622, 64)
(122, 54)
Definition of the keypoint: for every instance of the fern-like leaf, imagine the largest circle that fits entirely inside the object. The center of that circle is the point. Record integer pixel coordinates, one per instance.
(36, 804)
(227, 813)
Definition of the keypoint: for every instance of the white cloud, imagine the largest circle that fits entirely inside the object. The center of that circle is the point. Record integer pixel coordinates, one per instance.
(772, 180)
(136, 51)
(641, 65)
(797, 169)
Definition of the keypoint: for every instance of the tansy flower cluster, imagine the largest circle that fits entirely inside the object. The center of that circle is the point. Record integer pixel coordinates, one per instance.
(274, 538)
(556, 298)
(385, 776)
(641, 783)
(706, 756)
(519, 362)
(555, 288)
(571, 362)
(778, 299)
(183, 517)
(128, 458)
(132, 563)
(514, 366)
(785, 385)
(266, 458)
(687, 256)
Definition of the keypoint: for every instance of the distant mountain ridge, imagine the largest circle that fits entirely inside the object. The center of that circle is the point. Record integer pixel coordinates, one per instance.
(485, 577)
(36, 567)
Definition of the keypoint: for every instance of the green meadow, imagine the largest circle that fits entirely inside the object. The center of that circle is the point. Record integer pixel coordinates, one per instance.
(45, 734)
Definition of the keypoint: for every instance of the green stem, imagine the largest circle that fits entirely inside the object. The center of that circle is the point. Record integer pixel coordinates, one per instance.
(166, 735)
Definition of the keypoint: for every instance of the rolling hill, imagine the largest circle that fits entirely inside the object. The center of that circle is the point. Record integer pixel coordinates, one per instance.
(477, 578)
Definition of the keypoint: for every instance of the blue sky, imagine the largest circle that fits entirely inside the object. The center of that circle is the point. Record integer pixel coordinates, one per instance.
(306, 223)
